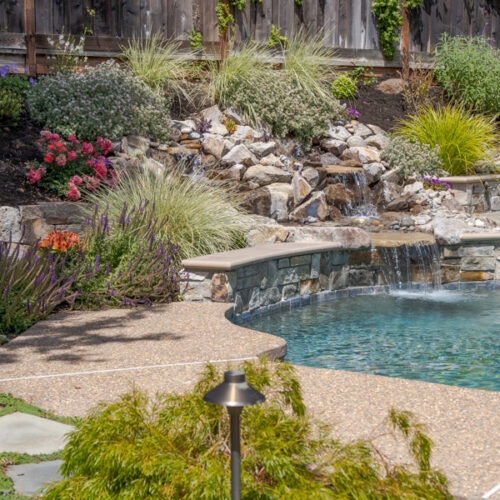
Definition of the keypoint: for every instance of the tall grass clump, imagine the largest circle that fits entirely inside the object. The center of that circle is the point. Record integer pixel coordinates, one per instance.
(158, 63)
(203, 218)
(307, 62)
(463, 138)
(177, 447)
(248, 61)
(469, 70)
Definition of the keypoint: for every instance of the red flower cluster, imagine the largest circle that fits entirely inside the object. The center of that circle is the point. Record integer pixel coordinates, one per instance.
(92, 158)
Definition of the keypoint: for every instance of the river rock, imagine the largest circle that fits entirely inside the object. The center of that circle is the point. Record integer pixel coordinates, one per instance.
(301, 189)
(334, 146)
(261, 149)
(213, 144)
(378, 141)
(266, 174)
(362, 130)
(356, 141)
(376, 129)
(362, 154)
(239, 154)
(340, 133)
(313, 209)
(215, 115)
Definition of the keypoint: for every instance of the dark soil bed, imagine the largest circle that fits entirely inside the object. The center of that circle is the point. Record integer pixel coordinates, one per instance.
(18, 147)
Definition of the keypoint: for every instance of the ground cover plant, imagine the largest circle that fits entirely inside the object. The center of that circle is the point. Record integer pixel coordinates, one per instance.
(468, 68)
(104, 101)
(203, 217)
(74, 165)
(13, 89)
(412, 158)
(177, 447)
(463, 138)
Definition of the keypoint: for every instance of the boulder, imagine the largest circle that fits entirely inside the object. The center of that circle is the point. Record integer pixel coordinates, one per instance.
(300, 188)
(340, 133)
(378, 141)
(244, 134)
(10, 223)
(235, 115)
(356, 141)
(328, 159)
(313, 209)
(266, 233)
(266, 174)
(236, 172)
(257, 201)
(261, 149)
(373, 172)
(239, 154)
(337, 195)
(362, 154)
(335, 213)
(347, 237)
(133, 143)
(385, 192)
(272, 160)
(413, 188)
(311, 175)
(449, 231)
(216, 117)
(213, 144)
(376, 129)
(362, 130)
(281, 200)
(334, 146)
(391, 86)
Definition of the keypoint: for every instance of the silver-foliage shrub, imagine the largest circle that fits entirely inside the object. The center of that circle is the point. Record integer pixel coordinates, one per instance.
(412, 158)
(288, 109)
(105, 101)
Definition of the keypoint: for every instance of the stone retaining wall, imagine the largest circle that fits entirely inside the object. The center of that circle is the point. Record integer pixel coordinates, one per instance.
(477, 194)
(40, 220)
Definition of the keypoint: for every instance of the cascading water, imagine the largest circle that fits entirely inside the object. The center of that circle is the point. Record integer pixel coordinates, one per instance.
(409, 264)
(358, 191)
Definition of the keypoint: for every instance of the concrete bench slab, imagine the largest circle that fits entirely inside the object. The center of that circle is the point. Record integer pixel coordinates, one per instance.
(31, 478)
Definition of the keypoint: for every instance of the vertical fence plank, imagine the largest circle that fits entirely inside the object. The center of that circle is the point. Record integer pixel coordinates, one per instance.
(43, 16)
(13, 16)
(208, 20)
(311, 12)
(29, 30)
(331, 22)
(242, 28)
(263, 18)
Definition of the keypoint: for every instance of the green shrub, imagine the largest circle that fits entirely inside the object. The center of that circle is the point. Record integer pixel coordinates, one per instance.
(412, 158)
(126, 260)
(177, 447)
(10, 107)
(202, 218)
(104, 101)
(462, 137)
(158, 63)
(469, 69)
(16, 83)
(344, 87)
(285, 107)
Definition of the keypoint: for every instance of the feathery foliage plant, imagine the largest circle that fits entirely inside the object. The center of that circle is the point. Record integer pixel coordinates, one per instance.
(463, 138)
(203, 217)
(177, 447)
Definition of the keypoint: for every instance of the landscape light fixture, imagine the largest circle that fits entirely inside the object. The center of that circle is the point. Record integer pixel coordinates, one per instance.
(234, 393)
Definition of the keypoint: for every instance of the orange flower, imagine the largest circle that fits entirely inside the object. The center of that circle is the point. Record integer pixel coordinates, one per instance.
(60, 241)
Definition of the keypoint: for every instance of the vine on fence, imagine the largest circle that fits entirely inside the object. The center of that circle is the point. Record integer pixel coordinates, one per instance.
(390, 21)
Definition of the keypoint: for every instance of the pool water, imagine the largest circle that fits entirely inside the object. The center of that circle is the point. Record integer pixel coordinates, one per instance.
(448, 337)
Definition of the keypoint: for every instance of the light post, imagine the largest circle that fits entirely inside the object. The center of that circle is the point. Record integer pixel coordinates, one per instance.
(234, 393)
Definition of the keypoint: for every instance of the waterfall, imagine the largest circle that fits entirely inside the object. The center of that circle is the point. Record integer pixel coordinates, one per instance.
(356, 186)
(411, 264)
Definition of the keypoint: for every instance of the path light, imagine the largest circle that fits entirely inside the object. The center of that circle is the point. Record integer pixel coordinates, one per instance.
(234, 393)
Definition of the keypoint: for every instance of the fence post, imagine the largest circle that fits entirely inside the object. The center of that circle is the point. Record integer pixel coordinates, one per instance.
(29, 30)
(405, 42)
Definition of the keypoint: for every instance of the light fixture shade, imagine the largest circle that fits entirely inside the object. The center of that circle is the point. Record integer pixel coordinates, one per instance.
(234, 392)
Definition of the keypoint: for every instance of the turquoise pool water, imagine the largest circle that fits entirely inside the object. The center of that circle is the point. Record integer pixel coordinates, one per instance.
(448, 337)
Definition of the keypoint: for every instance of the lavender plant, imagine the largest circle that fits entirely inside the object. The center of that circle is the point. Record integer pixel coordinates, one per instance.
(32, 284)
(204, 126)
(126, 262)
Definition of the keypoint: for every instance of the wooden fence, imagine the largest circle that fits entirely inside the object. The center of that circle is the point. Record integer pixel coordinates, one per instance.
(349, 24)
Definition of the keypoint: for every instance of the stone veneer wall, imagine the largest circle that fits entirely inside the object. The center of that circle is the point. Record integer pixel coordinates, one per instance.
(477, 194)
(39, 220)
(276, 280)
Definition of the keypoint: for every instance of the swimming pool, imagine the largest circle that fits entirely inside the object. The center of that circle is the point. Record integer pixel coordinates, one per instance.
(443, 336)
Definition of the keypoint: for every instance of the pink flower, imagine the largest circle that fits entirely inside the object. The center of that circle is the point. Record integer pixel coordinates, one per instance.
(48, 158)
(76, 180)
(105, 144)
(72, 155)
(73, 139)
(61, 160)
(87, 148)
(100, 170)
(73, 193)
(34, 175)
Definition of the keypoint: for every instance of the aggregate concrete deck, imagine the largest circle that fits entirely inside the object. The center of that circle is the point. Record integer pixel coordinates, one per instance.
(73, 360)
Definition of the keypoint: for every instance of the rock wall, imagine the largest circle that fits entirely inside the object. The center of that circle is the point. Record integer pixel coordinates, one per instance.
(39, 220)
(477, 194)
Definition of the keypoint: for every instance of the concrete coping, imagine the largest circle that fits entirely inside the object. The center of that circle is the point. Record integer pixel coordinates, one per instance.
(480, 237)
(468, 179)
(227, 261)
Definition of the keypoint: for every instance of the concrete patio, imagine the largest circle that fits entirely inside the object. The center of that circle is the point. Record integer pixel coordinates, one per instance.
(72, 361)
